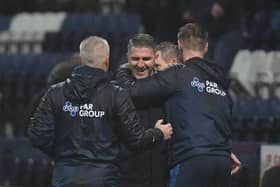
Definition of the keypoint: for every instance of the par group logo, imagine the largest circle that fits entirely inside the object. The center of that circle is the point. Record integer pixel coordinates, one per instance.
(195, 83)
(210, 87)
(68, 107)
(85, 110)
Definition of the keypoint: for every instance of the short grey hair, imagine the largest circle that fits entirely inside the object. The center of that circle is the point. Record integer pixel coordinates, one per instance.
(168, 50)
(141, 40)
(94, 50)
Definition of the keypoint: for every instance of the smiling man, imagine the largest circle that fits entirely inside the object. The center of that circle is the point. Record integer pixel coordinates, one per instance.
(147, 168)
(199, 107)
(81, 122)
(141, 55)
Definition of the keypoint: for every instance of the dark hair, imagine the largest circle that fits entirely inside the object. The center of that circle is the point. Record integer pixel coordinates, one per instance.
(141, 40)
(168, 50)
(61, 71)
(192, 36)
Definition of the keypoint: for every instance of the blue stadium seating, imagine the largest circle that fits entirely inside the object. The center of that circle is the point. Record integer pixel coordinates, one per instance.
(5, 22)
(100, 23)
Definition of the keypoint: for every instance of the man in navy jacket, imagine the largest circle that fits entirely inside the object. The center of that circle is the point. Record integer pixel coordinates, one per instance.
(199, 107)
(81, 122)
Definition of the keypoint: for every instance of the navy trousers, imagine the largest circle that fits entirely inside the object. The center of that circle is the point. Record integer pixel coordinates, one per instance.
(84, 176)
(202, 171)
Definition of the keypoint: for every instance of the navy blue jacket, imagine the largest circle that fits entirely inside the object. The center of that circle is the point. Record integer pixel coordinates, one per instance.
(80, 124)
(196, 104)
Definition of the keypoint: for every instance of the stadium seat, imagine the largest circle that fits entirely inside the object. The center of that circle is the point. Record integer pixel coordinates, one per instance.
(241, 68)
(5, 22)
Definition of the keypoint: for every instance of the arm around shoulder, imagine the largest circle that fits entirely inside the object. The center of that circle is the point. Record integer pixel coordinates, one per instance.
(131, 131)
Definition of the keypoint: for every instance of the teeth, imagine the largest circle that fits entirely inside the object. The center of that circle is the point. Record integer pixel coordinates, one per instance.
(141, 70)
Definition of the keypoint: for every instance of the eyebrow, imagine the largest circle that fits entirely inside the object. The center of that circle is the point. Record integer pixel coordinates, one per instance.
(143, 58)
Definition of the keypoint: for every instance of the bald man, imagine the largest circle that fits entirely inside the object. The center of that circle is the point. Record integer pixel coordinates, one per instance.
(81, 121)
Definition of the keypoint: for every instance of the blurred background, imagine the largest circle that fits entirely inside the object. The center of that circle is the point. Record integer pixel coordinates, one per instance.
(39, 42)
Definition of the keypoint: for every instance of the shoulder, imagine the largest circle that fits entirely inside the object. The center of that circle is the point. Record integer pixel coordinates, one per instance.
(177, 67)
(124, 66)
(58, 86)
(176, 70)
(119, 91)
(116, 94)
(116, 88)
(55, 90)
(123, 70)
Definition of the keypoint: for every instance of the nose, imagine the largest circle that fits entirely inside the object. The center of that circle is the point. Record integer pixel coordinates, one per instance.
(141, 63)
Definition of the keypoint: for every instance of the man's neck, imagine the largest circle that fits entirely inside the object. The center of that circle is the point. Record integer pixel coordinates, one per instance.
(102, 67)
(188, 54)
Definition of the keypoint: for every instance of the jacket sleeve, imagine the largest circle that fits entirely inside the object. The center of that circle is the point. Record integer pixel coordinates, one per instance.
(125, 79)
(124, 76)
(41, 128)
(131, 131)
(161, 85)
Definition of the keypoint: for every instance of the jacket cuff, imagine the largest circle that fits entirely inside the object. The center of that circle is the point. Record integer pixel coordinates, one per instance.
(157, 135)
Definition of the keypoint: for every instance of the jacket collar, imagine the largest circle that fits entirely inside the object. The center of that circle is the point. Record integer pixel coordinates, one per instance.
(215, 71)
(89, 71)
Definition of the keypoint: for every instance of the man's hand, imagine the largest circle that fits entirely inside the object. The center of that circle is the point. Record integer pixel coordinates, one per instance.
(166, 129)
(236, 164)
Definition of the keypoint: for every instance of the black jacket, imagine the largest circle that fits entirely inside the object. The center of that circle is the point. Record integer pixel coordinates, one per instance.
(81, 122)
(197, 105)
(147, 168)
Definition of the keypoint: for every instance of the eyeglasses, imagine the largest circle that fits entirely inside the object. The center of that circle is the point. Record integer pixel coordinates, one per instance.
(133, 58)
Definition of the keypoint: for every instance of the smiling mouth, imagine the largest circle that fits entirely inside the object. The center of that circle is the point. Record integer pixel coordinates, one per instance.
(140, 73)
(141, 69)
